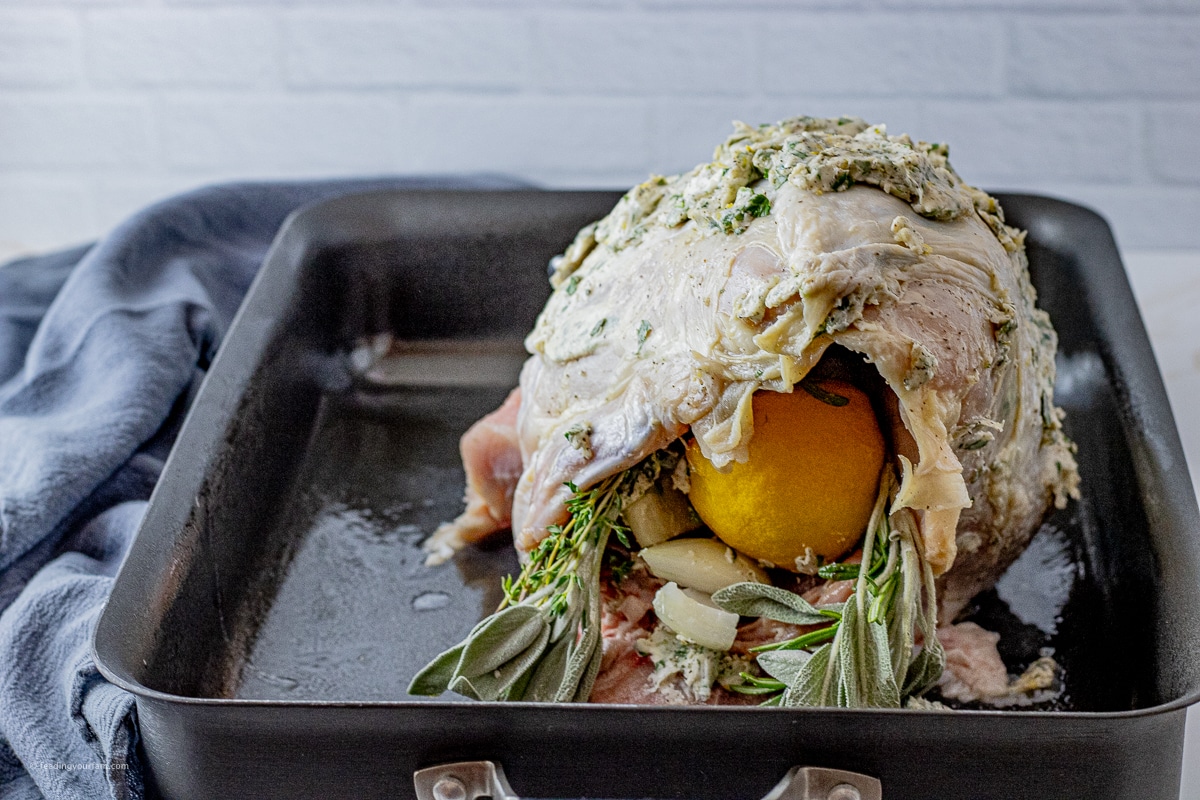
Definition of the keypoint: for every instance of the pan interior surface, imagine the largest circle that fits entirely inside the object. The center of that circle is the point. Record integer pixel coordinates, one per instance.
(352, 612)
(303, 578)
(356, 612)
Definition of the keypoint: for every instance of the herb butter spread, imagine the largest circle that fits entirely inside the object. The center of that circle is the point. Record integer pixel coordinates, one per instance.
(685, 672)
(820, 155)
(700, 289)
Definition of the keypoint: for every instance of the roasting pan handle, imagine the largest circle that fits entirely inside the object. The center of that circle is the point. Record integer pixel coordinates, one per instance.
(463, 780)
(473, 780)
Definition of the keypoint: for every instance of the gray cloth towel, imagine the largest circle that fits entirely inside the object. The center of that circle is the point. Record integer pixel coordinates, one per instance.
(101, 351)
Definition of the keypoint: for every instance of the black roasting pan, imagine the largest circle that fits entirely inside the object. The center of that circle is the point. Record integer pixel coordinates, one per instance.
(274, 605)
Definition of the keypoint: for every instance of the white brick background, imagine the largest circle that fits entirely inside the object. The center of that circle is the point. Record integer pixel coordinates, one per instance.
(106, 105)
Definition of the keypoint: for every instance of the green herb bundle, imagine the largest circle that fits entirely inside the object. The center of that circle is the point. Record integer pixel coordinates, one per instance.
(865, 654)
(543, 643)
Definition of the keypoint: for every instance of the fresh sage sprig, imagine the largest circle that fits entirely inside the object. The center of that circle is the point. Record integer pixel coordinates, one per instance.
(865, 656)
(543, 643)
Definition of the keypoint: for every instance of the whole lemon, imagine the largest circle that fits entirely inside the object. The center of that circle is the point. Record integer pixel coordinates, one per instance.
(810, 481)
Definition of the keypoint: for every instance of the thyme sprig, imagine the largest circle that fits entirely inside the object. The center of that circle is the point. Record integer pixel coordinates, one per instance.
(553, 565)
(867, 656)
(543, 643)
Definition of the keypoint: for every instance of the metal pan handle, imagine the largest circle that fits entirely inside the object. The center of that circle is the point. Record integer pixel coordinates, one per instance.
(473, 780)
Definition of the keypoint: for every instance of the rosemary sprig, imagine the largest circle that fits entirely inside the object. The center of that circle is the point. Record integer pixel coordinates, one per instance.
(827, 397)
(753, 684)
(867, 656)
(543, 643)
(838, 572)
(801, 642)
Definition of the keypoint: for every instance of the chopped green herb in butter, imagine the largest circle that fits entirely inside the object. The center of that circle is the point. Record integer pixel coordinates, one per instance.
(820, 155)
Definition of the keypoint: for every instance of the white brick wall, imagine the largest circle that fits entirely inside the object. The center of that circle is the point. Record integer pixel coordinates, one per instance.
(106, 105)
(146, 48)
(46, 133)
(417, 50)
(1109, 55)
(276, 133)
(39, 49)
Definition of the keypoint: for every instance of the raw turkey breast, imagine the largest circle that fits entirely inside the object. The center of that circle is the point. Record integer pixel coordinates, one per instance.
(700, 289)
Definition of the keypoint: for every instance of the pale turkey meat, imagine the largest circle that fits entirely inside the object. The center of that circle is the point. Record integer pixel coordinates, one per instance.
(702, 291)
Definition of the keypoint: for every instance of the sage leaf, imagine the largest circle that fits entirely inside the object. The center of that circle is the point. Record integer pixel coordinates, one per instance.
(865, 660)
(436, 676)
(494, 685)
(583, 661)
(517, 690)
(902, 627)
(461, 685)
(926, 667)
(868, 669)
(549, 675)
(808, 689)
(588, 680)
(784, 665)
(878, 681)
(580, 659)
(845, 655)
(763, 600)
(501, 638)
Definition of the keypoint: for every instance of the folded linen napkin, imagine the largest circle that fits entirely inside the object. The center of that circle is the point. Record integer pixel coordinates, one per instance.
(101, 350)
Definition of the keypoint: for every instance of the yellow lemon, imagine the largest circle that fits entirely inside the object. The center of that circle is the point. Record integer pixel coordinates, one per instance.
(810, 481)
